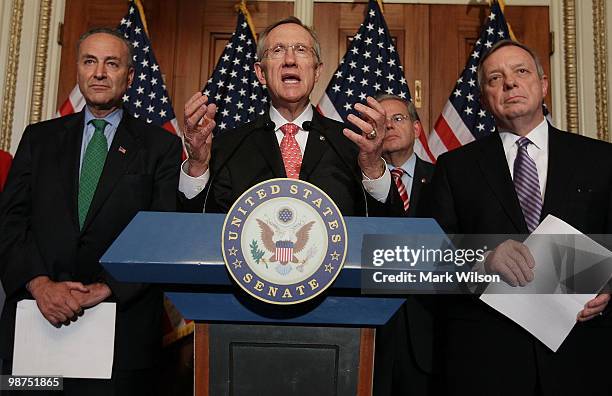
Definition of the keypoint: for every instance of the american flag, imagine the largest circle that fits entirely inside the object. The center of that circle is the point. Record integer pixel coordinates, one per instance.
(147, 98)
(233, 86)
(463, 119)
(370, 66)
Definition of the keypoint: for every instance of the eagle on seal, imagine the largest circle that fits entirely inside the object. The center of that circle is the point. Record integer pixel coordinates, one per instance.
(279, 248)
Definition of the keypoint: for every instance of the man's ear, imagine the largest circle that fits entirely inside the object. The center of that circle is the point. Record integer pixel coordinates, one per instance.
(418, 129)
(130, 77)
(259, 72)
(544, 82)
(318, 69)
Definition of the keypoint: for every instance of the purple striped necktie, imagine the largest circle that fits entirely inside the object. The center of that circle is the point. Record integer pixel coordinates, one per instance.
(527, 185)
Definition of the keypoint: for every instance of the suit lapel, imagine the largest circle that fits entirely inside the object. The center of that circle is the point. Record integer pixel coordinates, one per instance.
(315, 147)
(268, 147)
(495, 170)
(418, 180)
(122, 151)
(560, 171)
(69, 155)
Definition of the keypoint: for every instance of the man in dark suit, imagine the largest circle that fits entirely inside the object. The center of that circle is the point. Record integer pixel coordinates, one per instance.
(409, 336)
(410, 173)
(291, 140)
(76, 182)
(507, 183)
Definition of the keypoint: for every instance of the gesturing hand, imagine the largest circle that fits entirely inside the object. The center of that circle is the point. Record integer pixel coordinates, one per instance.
(199, 124)
(372, 128)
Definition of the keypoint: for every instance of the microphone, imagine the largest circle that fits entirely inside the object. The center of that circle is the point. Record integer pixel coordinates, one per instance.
(268, 126)
(311, 126)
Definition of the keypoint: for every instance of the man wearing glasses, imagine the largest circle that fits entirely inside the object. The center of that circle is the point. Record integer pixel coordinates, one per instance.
(410, 173)
(291, 139)
(408, 338)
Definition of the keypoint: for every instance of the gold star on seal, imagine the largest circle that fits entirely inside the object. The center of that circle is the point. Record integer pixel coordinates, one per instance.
(329, 268)
(232, 251)
(237, 263)
(335, 255)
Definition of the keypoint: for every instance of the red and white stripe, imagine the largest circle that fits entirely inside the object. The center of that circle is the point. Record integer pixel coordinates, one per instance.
(449, 132)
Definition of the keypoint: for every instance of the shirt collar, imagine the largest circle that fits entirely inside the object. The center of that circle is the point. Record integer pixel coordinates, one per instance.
(113, 118)
(407, 166)
(279, 120)
(538, 136)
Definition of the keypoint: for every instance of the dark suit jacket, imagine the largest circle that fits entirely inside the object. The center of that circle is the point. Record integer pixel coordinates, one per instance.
(407, 341)
(421, 180)
(250, 154)
(39, 229)
(473, 193)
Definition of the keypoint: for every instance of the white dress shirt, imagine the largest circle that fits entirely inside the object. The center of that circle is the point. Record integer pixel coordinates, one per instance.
(538, 151)
(377, 188)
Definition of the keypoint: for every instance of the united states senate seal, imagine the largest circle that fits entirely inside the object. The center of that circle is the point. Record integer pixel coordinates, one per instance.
(284, 241)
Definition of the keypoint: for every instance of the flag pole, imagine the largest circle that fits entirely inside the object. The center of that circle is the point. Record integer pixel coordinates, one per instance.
(138, 5)
(512, 36)
(242, 7)
(380, 4)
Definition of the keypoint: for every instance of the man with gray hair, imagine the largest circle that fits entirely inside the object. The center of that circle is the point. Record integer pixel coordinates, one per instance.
(506, 183)
(75, 183)
(291, 139)
(408, 338)
(410, 173)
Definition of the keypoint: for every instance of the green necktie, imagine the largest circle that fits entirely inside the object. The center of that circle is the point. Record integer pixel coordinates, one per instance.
(93, 163)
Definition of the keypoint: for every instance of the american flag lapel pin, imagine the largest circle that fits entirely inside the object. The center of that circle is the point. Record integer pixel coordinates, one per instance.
(122, 150)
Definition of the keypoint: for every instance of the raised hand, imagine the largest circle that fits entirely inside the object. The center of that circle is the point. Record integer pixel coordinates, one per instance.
(372, 129)
(199, 124)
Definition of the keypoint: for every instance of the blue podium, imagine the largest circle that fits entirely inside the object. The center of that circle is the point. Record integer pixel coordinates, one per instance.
(242, 345)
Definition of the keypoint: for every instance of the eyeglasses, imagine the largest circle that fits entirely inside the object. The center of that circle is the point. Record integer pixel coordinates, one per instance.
(278, 51)
(397, 118)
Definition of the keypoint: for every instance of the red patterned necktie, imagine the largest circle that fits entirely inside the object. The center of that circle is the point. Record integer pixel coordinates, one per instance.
(397, 177)
(290, 150)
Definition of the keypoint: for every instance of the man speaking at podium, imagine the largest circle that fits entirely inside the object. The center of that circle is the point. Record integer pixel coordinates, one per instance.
(290, 140)
(76, 182)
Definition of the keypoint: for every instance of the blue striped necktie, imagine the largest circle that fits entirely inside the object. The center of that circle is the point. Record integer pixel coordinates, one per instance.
(527, 185)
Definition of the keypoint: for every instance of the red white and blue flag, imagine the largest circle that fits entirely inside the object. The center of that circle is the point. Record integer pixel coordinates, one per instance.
(370, 66)
(463, 118)
(233, 86)
(147, 98)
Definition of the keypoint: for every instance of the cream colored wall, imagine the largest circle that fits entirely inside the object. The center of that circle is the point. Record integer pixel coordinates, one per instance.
(304, 10)
(27, 66)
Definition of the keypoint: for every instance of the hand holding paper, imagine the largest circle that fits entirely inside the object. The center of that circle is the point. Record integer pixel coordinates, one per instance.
(54, 299)
(513, 261)
(594, 307)
(566, 268)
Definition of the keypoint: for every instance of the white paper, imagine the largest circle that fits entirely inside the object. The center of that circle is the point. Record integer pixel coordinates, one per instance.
(84, 349)
(548, 317)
